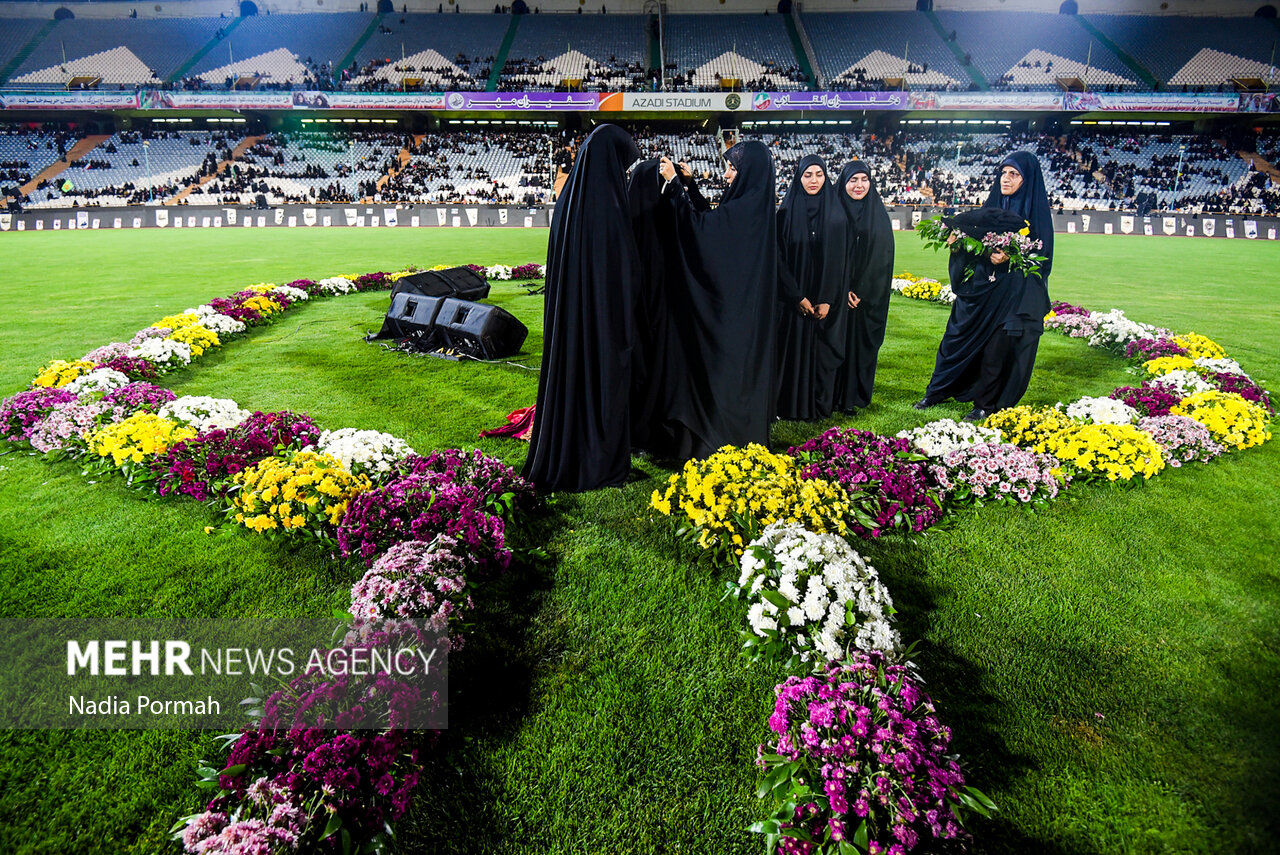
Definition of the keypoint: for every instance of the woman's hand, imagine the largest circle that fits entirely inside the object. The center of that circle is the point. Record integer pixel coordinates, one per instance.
(666, 169)
(821, 311)
(999, 258)
(854, 300)
(952, 239)
(806, 308)
(685, 171)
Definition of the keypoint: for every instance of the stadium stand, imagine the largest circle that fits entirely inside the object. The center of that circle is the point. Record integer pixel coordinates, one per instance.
(874, 44)
(476, 167)
(467, 43)
(604, 52)
(284, 49)
(25, 152)
(704, 50)
(1193, 53)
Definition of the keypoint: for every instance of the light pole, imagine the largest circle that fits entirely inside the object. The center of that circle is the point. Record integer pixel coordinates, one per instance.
(146, 156)
(1182, 150)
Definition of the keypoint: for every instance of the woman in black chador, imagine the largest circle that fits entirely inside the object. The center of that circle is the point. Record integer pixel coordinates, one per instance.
(581, 437)
(870, 266)
(971, 356)
(721, 302)
(1020, 190)
(812, 241)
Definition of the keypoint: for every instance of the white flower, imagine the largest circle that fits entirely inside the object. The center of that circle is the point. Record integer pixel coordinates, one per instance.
(97, 380)
(163, 351)
(222, 324)
(836, 581)
(940, 438)
(363, 451)
(1116, 330)
(336, 285)
(1221, 366)
(204, 413)
(295, 294)
(1183, 382)
(498, 271)
(1103, 411)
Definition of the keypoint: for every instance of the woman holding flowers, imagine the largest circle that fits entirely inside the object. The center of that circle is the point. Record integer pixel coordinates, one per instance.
(1020, 190)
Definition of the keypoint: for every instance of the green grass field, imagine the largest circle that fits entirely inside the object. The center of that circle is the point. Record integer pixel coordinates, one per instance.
(1109, 665)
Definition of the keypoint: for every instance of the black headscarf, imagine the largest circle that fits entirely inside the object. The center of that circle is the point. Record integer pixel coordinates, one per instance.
(720, 358)
(1030, 201)
(870, 254)
(581, 435)
(813, 239)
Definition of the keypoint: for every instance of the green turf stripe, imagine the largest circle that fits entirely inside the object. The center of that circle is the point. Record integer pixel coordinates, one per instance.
(350, 55)
(797, 47)
(199, 55)
(957, 51)
(1133, 65)
(496, 72)
(32, 43)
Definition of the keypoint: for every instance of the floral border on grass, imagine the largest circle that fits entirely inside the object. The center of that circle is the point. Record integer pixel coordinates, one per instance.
(857, 760)
(431, 531)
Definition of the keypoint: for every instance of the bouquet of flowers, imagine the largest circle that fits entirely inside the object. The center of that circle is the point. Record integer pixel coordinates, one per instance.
(812, 594)
(1102, 411)
(368, 452)
(938, 439)
(740, 491)
(1182, 439)
(860, 762)
(1233, 421)
(889, 488)
(999, 472)
(985, 231)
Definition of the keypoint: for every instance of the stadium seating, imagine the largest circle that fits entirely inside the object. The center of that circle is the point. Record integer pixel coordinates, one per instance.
(24, 154)
(755, 49)
(1194, 52)
(606, 52)
(875, 43)
(280, 46)
(468, 42)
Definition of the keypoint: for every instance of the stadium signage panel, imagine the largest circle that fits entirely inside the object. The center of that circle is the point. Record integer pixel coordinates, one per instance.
(69, 100)
(829, 100)
(674, 101)
(1150, 102)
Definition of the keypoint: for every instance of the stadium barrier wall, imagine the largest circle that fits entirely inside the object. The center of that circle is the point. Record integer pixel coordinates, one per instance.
(513, 216)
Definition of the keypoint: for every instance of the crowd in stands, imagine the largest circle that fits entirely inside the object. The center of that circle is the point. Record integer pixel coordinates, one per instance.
(1084, 171)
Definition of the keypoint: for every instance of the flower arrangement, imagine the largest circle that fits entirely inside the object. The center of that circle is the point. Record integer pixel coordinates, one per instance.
(368, 452)
(1164, 364)
(237, 311)
(1028, 427)
(739, 491)
(1059, 307)
(1183, 440)
(198, 338)
(377, 281)
(220, 324)
(148, 332)
(420, 507)
(1151, 348)
(268, 820)
(204, 413)
(176, 322)
(923, 289)
(1200, 347)
(811, 596)
(1183, 382)
(1232, 421)
(998, 472)
(531, 270)
(889, 488)
(100, 355)
(336, 285)
(139, 396)
(64, 427)
(861, 763)
(1115, 331)
(99, 381)
(304, 492)
(504, 491)
(1023, 252)
(60, 372)
(135, 439)
(261, 304)
(20, 413)
(1245, 388)
(939, 438)
(1102, 411)
(204, 467)
(498, 271)
(1149, 399)
(308, 286)
(1114, 452)
(1222, 365)
(163, 353)
(1076, 326)
(134, 367)
(289, 293)
(416, 580)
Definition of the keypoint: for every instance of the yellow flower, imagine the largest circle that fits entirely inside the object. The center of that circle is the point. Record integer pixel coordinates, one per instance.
(1199, 346)
(60, 372)
(1230, 419)
(1025, 231)
(283, 487)
(1165, 364)
(138, 437)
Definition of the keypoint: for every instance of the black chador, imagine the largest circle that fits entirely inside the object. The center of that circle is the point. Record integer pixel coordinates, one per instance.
(1024, 325)
(870, 264)
(581, 432)
(721, 292)
(970, 361)
(812, 241)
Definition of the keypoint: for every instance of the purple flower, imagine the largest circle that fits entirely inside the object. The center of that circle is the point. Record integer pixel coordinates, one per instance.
(136, 368)
(139, 396)
(1244, 387)
(1149, 399)
(1150, 348)
(20, 413)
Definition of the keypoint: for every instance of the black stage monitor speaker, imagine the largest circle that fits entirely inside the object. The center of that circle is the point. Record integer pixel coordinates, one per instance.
(410, 315)
(455, 282)
(475, 329)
